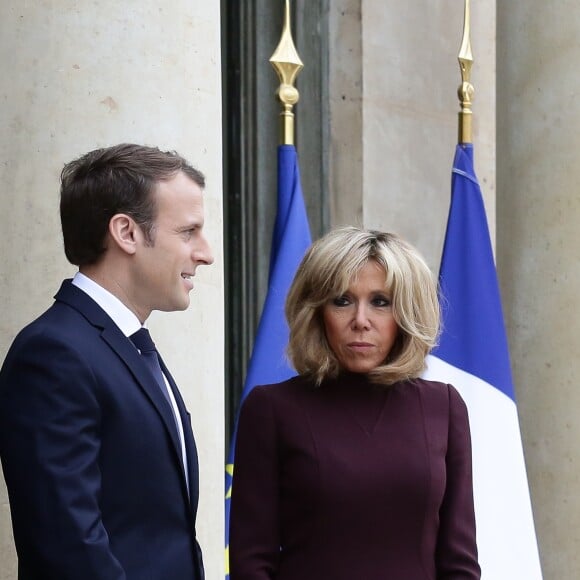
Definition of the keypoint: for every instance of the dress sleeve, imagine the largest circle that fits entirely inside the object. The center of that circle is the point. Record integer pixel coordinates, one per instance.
(254, 516)
(456, 554)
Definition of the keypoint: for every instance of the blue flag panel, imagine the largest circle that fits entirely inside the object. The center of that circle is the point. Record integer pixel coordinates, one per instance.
(474, 337)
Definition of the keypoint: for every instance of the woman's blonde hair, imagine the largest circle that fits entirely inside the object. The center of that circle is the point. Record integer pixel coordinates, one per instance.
(327, 270)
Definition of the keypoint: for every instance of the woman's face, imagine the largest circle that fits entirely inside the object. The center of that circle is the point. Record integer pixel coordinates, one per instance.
(359, 324)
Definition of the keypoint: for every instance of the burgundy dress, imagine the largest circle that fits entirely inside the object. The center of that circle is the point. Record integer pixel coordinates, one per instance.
(350, 481)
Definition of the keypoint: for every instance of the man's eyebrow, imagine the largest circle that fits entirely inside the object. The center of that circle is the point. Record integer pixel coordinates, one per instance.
(190, 226)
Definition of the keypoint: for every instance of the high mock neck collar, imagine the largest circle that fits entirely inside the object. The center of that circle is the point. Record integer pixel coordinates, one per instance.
(349, 381)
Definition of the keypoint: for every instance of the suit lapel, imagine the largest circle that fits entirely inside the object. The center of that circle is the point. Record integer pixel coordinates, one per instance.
(125, 349)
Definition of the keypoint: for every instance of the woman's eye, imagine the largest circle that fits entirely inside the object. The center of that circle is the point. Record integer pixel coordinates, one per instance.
(381, 302)
(341, 301)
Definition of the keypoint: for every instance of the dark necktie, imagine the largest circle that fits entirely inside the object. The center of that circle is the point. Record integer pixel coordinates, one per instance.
(143, 341)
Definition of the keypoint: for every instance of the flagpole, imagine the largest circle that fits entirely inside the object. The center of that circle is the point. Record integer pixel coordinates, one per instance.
(287, 64)
(465, 91)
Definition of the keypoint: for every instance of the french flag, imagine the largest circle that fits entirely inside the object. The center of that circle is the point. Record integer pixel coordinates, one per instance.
(473, 356)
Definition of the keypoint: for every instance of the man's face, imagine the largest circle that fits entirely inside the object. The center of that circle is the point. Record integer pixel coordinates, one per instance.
(164, 268)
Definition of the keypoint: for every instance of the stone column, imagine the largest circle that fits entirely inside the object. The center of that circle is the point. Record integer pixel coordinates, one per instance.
(80, 75)
(345, 107)
(539, 257)
(393, 82)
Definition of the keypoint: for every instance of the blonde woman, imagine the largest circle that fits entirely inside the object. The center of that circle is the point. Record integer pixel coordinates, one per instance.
(356, 469)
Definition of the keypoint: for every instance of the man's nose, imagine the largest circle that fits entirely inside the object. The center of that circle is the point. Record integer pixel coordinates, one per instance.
(203, 253)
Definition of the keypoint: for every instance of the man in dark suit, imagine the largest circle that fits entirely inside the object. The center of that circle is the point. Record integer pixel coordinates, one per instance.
(95, 441)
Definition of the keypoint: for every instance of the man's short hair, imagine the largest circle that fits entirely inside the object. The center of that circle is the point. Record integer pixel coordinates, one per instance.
(109, 181)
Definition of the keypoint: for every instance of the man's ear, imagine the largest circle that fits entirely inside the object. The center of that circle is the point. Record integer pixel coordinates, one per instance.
(124, 232)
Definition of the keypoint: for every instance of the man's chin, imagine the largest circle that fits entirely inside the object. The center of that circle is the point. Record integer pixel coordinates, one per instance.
(176, 306)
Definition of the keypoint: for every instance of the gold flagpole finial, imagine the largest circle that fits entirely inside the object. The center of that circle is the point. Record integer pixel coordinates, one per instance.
(287, 64)
(465, 91)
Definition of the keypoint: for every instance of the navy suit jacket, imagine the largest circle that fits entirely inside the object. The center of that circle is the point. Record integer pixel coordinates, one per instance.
(91, 454)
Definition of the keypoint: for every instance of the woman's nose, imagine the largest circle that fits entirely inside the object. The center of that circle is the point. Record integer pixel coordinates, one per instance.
(361, 318)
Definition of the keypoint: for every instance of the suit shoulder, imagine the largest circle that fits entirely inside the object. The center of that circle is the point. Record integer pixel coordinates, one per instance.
(58, 334)
(58, 323)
